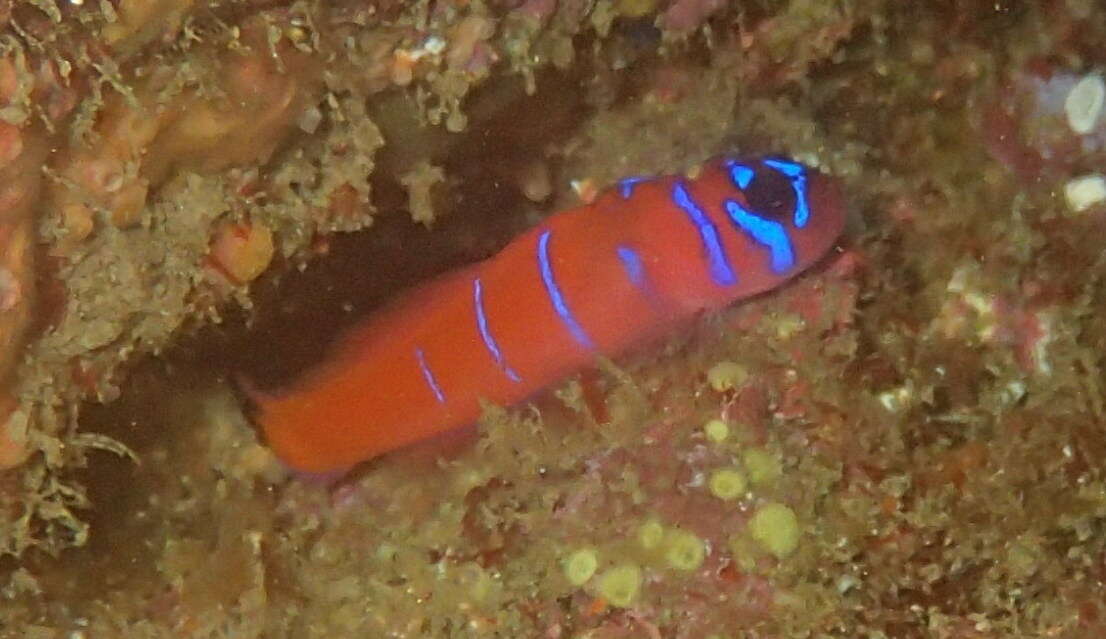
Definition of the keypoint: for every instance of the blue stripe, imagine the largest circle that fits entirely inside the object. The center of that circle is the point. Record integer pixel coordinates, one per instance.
(429, 376)
(633, 265)
(485, 332)
(740, 175)
(796, 174)
(626, 185)
(767, 232)
(720, 270)
(556, 296)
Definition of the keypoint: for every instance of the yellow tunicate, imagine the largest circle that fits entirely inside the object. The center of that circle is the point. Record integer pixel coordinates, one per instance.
(386, 552)
(685, 551)
(763, 467)
(475, 581)
(787, 325)
(716, 430)
(725, 376)
(727, 483)
(468, 479)
(744, 552)
(620, 585)
(581, 565)
(650, 534)
(776, 529)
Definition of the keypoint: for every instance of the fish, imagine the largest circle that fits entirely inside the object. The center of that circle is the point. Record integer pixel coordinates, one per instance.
(646, 256)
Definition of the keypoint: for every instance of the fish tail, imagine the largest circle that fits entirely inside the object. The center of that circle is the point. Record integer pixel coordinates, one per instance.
(249, 395)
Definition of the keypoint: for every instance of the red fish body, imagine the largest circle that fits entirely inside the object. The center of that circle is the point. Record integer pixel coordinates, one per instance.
(597, 279)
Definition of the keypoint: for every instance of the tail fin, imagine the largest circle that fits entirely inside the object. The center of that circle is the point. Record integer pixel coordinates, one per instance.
(252, 398)
(253, 401)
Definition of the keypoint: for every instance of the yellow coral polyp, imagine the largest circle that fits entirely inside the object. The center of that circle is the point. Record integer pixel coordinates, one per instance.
(716, 430)
(476, 581)
(685, 551)
(650, 534)
(620, 585)
(580, 566)
(775, 527)
(762, 466)
(744, 551)
(727, 483)
(725, 376)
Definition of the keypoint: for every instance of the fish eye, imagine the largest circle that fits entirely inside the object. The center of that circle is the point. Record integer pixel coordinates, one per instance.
(770, 194)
